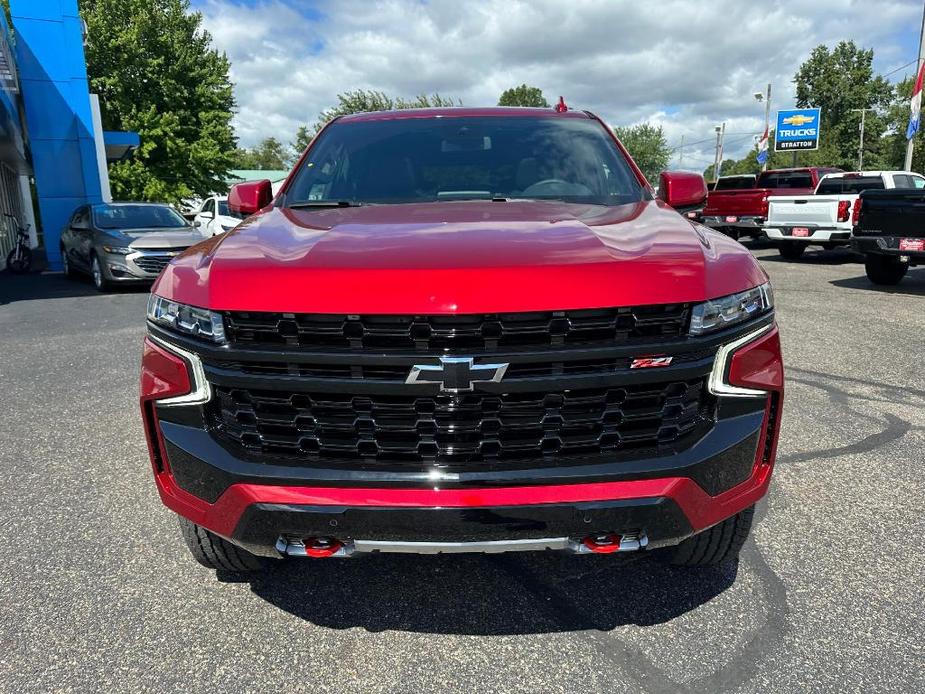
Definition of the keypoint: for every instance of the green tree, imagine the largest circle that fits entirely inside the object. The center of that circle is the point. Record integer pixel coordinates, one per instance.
(303, 138)
(647, 146)
(268, 154)
(157, 74)
(838, 81)
(523, 96)
(364, 100)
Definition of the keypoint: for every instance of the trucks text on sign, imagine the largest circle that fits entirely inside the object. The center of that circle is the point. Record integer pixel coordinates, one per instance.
(797, 130)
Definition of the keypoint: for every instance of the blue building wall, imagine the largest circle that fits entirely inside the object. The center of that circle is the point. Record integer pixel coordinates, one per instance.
(56, 97)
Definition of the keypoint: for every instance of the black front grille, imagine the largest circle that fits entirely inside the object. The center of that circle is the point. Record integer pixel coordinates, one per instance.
(472, 332)
(152, 263)
(455, 430)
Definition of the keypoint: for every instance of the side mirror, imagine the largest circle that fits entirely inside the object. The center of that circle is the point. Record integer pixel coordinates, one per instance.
(250, 197)
(197, 224)
(682, 190)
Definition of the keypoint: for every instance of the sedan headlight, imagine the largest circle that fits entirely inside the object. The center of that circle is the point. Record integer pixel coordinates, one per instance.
(117, 250)
(191, 320)
(727, 311)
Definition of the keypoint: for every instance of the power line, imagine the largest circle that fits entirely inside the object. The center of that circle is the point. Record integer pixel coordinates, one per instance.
(710, 139)
(901, 67)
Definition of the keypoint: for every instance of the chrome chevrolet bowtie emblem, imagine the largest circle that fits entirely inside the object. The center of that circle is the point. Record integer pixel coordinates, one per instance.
(455, 375)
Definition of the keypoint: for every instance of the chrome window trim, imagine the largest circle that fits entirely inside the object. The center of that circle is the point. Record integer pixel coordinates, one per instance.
(716, 382)
(202, 391)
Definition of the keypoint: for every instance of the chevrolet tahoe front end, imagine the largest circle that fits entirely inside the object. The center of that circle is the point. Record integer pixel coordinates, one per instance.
(463, 330)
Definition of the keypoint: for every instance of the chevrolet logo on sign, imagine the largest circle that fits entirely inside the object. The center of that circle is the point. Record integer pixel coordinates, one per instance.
(799, 120)
(797, 129)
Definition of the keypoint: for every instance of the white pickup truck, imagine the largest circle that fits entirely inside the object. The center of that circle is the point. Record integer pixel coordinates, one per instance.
(826, 217)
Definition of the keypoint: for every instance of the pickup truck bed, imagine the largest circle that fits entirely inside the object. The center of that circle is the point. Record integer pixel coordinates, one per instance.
(744, 212)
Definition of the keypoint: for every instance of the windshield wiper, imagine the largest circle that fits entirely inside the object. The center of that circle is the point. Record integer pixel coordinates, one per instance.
(308, 204)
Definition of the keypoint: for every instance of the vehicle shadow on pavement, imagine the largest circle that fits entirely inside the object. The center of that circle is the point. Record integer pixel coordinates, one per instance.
(488, 595)
(52, 286)
(913, 284)
(818, 257)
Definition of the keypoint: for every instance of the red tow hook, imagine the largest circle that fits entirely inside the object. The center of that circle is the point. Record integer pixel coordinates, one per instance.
(602, 544)
(321, 547)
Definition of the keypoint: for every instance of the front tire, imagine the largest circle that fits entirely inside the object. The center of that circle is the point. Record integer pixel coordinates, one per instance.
(792, 250)
(96, 272)
(214, 552)
(19, 260)
(884, 269)
(69, 271)
(713, 546)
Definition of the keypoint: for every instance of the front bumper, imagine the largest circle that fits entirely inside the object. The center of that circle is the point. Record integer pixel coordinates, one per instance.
(663, 500)
(817, 235)
(141, 265)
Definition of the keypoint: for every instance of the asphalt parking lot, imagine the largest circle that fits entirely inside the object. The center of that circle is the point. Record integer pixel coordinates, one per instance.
(98, 593)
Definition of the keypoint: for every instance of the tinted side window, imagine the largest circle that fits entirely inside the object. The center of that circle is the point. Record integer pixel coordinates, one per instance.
(81, 219)
(849, 184)
(908, 181)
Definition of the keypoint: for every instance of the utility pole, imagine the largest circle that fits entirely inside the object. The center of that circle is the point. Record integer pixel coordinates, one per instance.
(918, 67)
(863, 112)
(681, 154)
(718, 161)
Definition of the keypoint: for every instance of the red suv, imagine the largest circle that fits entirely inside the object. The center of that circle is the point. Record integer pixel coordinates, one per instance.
(463, 330)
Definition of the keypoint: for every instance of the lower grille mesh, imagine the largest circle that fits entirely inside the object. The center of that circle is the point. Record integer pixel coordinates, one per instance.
(454, 430)
(152, 263)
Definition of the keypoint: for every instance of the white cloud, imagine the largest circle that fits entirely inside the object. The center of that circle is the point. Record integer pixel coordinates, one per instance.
(686, 64)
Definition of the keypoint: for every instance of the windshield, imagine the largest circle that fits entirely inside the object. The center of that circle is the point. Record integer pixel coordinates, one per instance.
(465, 158)
(225, 211)
(137, 217)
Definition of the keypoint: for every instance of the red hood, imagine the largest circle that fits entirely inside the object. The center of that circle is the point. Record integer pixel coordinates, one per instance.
(459, 257)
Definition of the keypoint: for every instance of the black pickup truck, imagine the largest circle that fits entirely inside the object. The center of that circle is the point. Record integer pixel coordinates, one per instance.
(890, 231)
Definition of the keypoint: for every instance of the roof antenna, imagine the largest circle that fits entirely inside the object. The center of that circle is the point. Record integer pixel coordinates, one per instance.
(561, 107)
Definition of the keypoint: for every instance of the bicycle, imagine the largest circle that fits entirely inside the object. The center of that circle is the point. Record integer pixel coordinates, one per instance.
(19, 260)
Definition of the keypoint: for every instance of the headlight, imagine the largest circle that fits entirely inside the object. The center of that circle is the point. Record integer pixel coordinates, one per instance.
(198, 322)
(727, 311)
(117, 250)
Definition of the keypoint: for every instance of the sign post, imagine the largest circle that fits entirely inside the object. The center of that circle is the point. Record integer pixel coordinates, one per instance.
(797, 131)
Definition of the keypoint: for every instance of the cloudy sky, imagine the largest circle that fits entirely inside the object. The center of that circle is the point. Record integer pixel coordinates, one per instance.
(686, 64)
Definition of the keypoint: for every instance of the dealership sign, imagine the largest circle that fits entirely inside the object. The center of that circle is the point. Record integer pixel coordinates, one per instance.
(797, 130)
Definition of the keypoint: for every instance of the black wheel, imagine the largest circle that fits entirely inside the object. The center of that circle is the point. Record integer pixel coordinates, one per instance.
(732, 233)
(69, 271)
(214, 552)
(792, 250)
(884, 269)
(96, 272)
(19, 260)
(713, 546)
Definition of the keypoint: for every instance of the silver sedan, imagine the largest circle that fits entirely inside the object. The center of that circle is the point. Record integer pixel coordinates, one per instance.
(124, 242)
